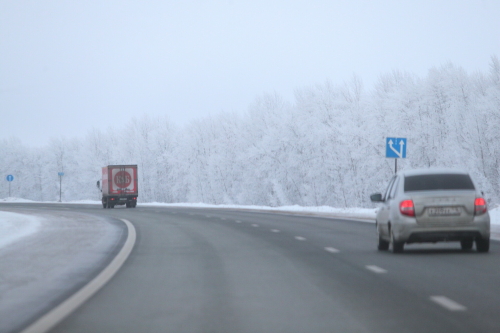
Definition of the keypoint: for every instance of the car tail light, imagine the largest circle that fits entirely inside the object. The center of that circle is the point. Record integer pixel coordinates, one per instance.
(480, 206)
(406, 208)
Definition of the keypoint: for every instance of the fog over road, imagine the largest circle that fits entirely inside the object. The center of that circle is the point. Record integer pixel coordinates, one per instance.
(214, 270)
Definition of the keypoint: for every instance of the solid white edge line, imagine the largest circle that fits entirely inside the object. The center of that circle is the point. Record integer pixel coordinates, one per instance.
(332, 250)
(447, 303)
(56, 315)
(376, 269)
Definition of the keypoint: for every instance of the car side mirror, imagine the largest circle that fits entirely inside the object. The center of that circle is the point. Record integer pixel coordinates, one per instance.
(376, 197)
(98, 184)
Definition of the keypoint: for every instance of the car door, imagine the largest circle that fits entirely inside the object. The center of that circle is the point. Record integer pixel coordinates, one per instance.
(384, 210)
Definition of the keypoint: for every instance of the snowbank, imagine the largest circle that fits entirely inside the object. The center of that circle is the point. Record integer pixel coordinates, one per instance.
(495, 216)
(367, 214)
(14, 226)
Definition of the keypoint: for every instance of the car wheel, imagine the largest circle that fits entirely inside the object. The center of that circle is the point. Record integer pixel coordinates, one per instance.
(466, 244)
(397, 246)
(383, 245)
(482, 244)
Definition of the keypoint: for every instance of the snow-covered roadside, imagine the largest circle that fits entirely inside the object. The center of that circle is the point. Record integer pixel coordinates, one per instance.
(11, 231)
(367, 214)
(14, 226)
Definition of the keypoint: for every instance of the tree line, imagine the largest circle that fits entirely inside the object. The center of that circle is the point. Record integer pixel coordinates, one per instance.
(326, 147)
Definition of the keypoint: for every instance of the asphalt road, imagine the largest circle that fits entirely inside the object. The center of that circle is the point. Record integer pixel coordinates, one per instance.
(205, 270)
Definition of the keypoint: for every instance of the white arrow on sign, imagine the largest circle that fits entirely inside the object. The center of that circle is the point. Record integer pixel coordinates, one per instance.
(401, 146)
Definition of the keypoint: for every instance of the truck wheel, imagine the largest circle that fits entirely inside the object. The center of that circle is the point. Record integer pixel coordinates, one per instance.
(103, 204)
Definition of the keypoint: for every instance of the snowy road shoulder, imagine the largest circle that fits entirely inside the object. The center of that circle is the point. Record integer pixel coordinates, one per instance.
(15, 226)
(48, 257)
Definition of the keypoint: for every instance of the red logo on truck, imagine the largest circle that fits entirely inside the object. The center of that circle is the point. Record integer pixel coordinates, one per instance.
(122, 179)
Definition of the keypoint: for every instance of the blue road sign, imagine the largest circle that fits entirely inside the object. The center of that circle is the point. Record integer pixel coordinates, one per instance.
(10, 178)
(395, 147)
(60, 173)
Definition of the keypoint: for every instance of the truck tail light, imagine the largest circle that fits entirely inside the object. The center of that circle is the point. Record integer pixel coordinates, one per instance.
(407, 208)
(480, 206)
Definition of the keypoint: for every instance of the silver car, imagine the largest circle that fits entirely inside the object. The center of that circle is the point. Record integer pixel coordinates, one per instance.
(432, 205)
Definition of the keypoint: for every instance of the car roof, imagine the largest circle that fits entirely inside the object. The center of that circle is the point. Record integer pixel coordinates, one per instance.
(432, 171)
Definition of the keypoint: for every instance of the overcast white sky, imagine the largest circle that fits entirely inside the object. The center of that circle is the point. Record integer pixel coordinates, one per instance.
(68, 66)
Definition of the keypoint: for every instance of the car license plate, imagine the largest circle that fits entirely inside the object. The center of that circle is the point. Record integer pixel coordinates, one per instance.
(444, 211)
(123, 198)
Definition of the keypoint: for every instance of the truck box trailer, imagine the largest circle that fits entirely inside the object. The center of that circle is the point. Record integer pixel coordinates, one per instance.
(119, 186)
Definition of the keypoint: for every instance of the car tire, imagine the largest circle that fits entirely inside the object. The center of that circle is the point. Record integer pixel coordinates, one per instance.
(466, 244)
(383, 245)
(397, 246)
(482, 244)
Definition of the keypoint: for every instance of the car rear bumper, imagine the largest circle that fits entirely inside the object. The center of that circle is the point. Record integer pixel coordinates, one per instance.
(410, 231)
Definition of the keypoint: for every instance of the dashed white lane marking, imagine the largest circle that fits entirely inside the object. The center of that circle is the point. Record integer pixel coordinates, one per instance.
(255, 225)
(332, 250)
(191, 214)
(376, 269)
(208, 216)
(223, 218)
(447, 303)
(300, 238)
(238, 221)
(275, 230)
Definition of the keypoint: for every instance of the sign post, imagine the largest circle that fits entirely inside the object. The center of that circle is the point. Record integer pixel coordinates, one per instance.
(10, 178)
(60, 174)
(395, 148)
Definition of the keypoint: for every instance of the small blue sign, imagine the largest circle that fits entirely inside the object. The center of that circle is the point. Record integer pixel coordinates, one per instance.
(395, 147)
(10, 178)
(60, 173)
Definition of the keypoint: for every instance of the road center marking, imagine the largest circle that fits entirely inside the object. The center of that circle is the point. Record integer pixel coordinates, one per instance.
(447, 303)
(300, 238)
(376, 269)
(275, 230)
(255, 225)
(238, 221)
(331, 250)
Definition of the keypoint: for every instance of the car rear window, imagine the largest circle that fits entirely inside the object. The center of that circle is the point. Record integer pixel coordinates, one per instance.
(438, 182)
